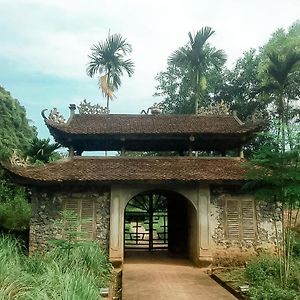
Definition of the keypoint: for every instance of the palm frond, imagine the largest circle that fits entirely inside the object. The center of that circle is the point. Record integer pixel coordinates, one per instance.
(280, 66)
(104, 86)
(201, 37)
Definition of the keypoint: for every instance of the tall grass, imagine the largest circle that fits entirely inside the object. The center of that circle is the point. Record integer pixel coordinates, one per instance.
(52, 275)
(263, 273)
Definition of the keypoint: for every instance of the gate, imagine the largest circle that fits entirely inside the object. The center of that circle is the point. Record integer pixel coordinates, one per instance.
(146, 222)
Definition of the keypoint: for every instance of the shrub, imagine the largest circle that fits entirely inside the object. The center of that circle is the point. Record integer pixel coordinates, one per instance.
(51, 276)
(263, 267)
(263, 273)
(296, 248)
(15, 211)
(269, 290)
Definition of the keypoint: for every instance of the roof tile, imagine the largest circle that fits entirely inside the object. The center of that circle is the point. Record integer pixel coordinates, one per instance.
(124, 169)
(153, 124)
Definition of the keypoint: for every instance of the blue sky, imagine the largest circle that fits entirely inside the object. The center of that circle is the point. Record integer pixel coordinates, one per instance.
(45, 44)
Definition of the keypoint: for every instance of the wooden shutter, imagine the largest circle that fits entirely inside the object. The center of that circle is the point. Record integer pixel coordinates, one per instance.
(74, 206)
(85, 211)
(88, 219)
(232, 228)
(239, 218)
(248, 218)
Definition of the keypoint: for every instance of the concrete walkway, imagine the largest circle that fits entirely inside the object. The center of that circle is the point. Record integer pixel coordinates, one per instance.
(163, 278)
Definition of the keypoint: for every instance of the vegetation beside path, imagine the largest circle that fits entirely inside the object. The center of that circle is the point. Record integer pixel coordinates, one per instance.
(263, 275)
(53, 275)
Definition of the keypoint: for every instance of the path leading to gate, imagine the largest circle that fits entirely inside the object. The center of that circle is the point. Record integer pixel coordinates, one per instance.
(154, 278)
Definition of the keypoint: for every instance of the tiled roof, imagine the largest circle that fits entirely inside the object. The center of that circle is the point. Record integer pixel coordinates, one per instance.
(153, 124)
(125, 169)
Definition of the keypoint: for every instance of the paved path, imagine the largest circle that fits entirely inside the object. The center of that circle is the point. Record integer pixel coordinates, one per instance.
(168, 279)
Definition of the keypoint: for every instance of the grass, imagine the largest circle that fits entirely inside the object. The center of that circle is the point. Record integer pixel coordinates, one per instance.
(262, 273)
(52, 275)
(234, 277)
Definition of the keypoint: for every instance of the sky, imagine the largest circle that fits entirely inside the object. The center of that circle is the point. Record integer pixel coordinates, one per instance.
(44, 45)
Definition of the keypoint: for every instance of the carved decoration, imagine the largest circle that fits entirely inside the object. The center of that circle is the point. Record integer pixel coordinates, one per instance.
(216, 109)
(86, 108)
(55, 116)
(154, 109)
(18, 161)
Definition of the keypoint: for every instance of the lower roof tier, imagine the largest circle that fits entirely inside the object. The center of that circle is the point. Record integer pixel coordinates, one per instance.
(130, 169)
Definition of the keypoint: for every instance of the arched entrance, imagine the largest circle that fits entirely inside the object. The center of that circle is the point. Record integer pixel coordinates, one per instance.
(160, 220)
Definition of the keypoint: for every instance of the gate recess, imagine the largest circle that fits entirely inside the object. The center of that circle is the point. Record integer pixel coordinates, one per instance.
(146, 222)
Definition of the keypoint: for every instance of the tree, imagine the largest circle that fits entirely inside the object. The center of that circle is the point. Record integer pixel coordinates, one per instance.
(15, 131)
(15, 136)
(275, 167)
(275, 177)
(242, 86)
(281, 73)
(15, 211)
(197, 57)
(108, 60)
(41, 150)
(176, 90)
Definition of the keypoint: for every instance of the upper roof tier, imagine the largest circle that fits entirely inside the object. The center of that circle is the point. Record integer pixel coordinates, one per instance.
(90, 132)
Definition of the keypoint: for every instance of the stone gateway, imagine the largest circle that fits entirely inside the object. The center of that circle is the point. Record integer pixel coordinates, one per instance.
(187, 200)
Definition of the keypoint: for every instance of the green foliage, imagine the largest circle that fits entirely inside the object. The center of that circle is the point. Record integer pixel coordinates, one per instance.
(279, 70)
(176, 91)
(42, 151)
(264, 267)
(242, 86)
(296, 248)
(269, 290)
(15, 134)
(282, 72)
(51, 276)
(15, 131)
(67, 224)
(264, 275)
(15, 211)
(274, 174)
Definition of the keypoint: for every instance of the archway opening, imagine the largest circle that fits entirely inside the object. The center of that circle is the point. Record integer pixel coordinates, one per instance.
(162, 222)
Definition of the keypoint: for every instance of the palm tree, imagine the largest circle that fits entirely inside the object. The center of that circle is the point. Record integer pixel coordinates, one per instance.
(197, 56)
(108, 60)
(280, 73)
(42, 150)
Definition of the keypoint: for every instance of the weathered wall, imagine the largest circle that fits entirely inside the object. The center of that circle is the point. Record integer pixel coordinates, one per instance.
(265, 228)
(46, 205)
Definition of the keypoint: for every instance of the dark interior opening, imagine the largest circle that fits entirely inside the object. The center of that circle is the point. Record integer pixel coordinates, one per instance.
(159, 221)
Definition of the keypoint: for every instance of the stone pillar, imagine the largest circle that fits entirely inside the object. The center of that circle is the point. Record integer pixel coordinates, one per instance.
(117, 206)
(205, 256)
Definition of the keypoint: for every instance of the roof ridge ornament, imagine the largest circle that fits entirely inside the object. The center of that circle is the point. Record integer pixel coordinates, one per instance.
(154, 110)
(16, 160)
(215, 109)
(53, 116)
(257, 115)
(86, 108)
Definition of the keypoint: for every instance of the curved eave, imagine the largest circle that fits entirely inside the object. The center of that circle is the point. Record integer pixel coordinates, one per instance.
(86, 170)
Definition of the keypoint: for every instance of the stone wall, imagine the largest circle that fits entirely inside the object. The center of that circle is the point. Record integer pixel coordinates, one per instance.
(46, 205)
(265, 227)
